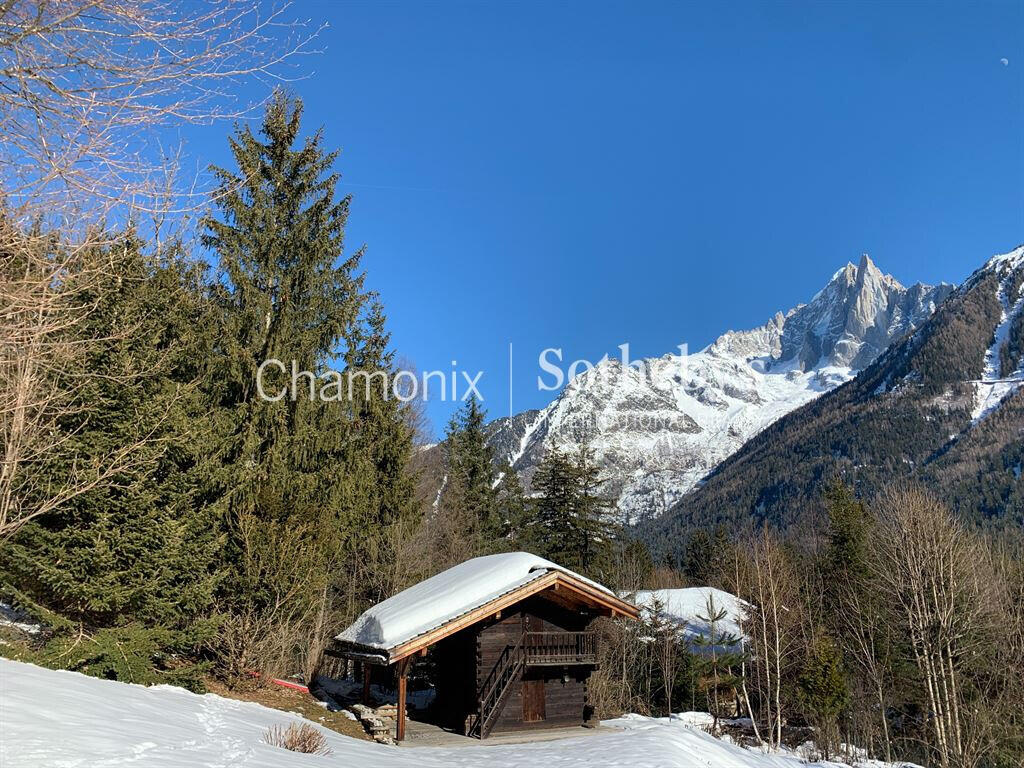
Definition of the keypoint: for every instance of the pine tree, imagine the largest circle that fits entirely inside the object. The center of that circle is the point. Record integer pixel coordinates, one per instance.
(319, 473)
(596, 534)
(570, 514)
(857, 616)
(719, 655)
(847, 538)
(287, 294)
(126, 572)
(554, 532)
(823, 692)
(472, 474)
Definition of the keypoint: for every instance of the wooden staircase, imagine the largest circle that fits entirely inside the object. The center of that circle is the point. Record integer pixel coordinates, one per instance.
(532, 649)
(496, 689)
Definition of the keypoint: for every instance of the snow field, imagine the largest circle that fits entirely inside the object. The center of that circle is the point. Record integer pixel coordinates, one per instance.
(51, 719)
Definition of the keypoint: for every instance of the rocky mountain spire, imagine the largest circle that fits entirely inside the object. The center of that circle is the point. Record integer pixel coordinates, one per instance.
(853, 318)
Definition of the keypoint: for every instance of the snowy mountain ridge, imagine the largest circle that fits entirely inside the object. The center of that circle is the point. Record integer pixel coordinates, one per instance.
(942, 407)
(658, 427)
(996, 384)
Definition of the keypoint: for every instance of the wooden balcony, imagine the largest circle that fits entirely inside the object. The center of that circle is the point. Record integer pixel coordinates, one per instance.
(559, 648)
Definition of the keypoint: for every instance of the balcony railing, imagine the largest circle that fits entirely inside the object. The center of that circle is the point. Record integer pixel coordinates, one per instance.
(559, 648)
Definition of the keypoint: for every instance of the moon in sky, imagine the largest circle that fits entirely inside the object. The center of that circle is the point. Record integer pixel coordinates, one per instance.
(1005, 62)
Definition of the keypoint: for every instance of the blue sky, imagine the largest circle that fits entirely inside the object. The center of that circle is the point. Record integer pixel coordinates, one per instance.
(579, 175)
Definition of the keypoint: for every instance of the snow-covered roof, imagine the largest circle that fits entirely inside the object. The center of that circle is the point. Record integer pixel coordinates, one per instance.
(450, 594)
(684, 606)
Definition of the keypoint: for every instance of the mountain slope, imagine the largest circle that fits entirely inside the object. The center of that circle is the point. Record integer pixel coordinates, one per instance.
(943, 406)
(658, 427)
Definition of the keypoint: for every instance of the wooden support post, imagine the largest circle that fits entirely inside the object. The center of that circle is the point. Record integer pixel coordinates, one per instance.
(403, 666)
(366, 684)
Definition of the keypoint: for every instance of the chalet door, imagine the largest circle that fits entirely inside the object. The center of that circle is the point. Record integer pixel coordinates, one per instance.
(533, 690)
(533, 701)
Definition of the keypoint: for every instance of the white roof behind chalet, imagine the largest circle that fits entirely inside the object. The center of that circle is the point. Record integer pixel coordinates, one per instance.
(686, 606)
(440, 599)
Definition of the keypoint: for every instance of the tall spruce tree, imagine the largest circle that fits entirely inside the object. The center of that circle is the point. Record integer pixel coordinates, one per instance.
(847, 545)
(822, 692)
(570, 523)
(594, 531)
(314, 471)
(554, 534)
(471, 473)
(858, 634)
(287, 294)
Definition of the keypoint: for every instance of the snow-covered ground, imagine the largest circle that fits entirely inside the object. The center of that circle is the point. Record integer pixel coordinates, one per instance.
(14, 619)
(66, 720)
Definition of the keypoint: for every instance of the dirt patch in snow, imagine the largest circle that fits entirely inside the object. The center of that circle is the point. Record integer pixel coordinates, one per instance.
(300, 703)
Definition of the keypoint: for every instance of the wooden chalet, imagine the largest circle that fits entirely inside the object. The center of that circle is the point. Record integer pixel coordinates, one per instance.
(510, 641)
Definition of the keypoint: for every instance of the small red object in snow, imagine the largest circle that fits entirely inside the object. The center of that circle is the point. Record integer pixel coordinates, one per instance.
(287, 684)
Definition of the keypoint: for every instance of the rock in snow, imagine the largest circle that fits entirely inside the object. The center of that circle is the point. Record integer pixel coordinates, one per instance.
(66, 720)
(658, 427)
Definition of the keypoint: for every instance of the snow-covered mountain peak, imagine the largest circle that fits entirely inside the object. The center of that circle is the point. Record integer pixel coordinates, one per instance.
(659, 426)
(852, 319)
(1005, 261)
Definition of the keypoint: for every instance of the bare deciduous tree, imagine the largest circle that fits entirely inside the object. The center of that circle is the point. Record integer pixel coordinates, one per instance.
(42, 298)
(89, 84)
(866, 640)
(934, 571)
(668, 636)
(772, 624)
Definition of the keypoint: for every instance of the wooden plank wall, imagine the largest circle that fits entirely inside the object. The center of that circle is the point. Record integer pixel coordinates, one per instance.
(564, 700)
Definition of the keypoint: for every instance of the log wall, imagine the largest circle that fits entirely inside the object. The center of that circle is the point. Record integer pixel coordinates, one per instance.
(564, 700)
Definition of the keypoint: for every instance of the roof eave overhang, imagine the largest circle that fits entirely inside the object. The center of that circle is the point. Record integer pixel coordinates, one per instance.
(358, 652)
